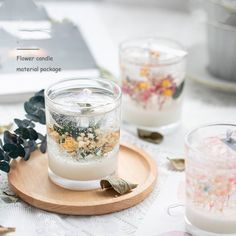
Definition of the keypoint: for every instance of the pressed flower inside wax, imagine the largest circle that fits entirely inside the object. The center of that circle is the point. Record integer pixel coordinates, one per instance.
(211, 180)
(83, 122)
(153, 75)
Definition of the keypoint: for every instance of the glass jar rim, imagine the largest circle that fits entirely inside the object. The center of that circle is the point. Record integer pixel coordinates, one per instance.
(191, 132)
(97, 79)
(164, 39)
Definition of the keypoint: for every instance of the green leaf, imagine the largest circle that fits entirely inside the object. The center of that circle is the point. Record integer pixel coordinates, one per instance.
(150, 136)
(14, 150)
(1, 154)
(23, 132)
(121, 186)
(9, 137)
(8, 198)
(37, 101)
(178, 91)
(30, 108)
(40, 93)
(27, 154)
(43, 147)
(4, 166)
(24, 123)
(33, 135)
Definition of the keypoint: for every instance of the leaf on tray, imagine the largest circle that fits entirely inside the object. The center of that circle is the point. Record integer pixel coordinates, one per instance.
(5, 127)
(149, 136)
(4, 230)
(121, 186)
(10, 198)
(177, 164)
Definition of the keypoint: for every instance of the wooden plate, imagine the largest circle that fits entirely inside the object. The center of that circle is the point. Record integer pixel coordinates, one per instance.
(29, 180)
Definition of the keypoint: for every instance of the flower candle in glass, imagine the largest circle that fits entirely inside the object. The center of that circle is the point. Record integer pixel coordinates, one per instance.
(83, 122)
(211, 180)
(153, 73)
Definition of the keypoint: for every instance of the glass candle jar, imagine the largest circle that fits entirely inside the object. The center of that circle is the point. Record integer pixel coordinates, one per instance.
(83, 127)
(153, 73)
(211, 180)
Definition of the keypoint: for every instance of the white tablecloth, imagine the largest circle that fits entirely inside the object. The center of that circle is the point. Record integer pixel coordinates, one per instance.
(201, 105)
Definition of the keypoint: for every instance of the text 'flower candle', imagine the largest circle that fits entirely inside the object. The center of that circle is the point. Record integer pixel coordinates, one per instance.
(83, 126)
(153, 73)
(211, 180)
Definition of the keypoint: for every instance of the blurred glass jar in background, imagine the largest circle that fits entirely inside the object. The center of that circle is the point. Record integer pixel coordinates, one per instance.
(221, 34)
(152, 73)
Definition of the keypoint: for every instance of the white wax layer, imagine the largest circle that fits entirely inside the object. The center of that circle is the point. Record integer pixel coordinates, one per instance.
(215, 222)
(151, 117)
(65, 167)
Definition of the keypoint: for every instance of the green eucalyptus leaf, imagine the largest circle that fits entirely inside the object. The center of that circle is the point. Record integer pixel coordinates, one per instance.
(30, 108)
(27, 154)
(24, 123)
(37, 101)
(21, 151)
(14, 150)
(121, 186)
(40, 93)
(43, 146)
(4, 166)
(178, 91)
(33, 135)
(42, 117)
(32, 117)
(1, 154)
(8, 147)
(6, 157)
(23, 132)
(9, 137)
(32, 145)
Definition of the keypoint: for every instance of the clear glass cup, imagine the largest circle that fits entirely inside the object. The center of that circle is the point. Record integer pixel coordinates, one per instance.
(83, 127)
(211, 180)
(221, 31)
(152, 73)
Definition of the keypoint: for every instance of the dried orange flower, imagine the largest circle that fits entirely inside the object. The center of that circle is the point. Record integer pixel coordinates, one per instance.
(143, 85)
(155, 54)
(166, 83)
(168, 92)
(70, 144)
(144, 71)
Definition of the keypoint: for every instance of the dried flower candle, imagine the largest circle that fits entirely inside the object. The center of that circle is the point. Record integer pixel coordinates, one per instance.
(211, 180)
(83, 122)
(152, 72)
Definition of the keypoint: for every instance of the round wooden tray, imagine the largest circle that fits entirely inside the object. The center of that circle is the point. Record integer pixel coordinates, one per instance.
(29, 180)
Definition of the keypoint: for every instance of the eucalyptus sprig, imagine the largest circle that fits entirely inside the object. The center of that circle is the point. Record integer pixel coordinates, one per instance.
(25, 139)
